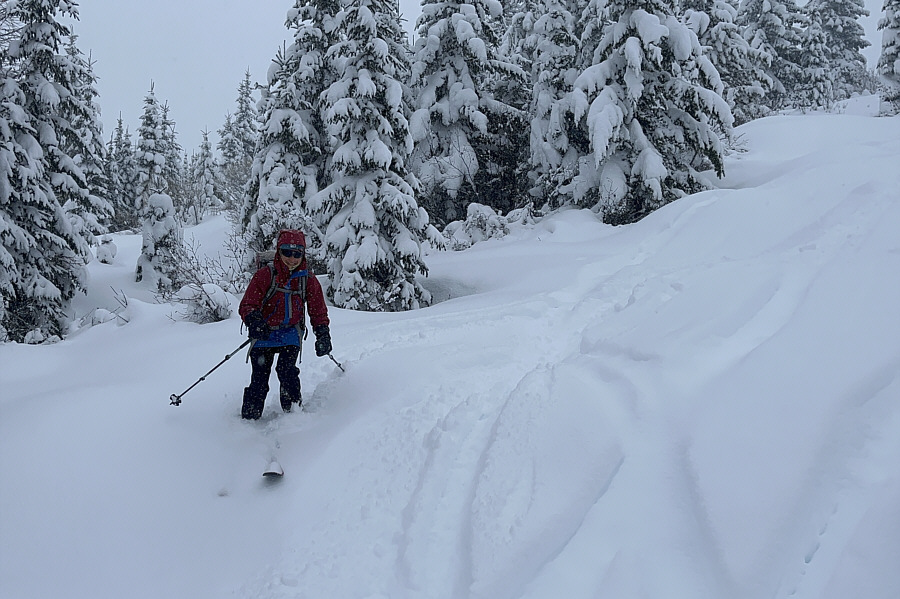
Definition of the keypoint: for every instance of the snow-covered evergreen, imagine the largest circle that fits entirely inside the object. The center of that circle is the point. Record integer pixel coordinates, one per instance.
(159, 227)
(741, 67)
(454, 49)
(94, 213)
(42, 256)
(237, 143)
(889, 61)
(814, 89)
(554, 48)
(162, 245)
(205, 184)
(375, 228)
(121, 169)
(774, 27)
(289, 166)
(844, 38)
(651, 107)
(173, 167)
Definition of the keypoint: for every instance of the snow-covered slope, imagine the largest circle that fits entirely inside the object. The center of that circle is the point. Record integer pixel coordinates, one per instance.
(703, 405)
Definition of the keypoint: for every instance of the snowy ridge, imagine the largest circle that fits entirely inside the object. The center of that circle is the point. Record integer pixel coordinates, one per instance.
(702, 405)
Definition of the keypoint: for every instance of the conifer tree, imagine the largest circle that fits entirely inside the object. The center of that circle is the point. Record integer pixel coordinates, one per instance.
(122, 172)
(741, 67)
(651, 108)
(205, 184)
(889, 60)
(814, 89)
(289, 165)
(94, 213)
(554, 49)
(245, 119)
(159, 228)
(375, 228)
(773, 27)
(173, 168)
(501, 181)
(42, 256)
(845, 38)
(237, 144)
(454, 52)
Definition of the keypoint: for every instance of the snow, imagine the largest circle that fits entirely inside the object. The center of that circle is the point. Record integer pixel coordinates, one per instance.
(700, 405)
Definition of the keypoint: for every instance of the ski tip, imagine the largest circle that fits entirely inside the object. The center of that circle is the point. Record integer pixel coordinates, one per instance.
(273, 469)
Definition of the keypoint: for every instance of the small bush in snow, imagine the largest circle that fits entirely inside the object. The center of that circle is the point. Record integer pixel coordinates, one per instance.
(481, 223)
(106, 251)
(204, 303)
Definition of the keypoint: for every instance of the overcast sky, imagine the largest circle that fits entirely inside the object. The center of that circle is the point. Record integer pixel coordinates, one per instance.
(196, 54)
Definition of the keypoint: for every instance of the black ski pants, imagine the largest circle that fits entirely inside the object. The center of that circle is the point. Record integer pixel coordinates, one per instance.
(261, 359)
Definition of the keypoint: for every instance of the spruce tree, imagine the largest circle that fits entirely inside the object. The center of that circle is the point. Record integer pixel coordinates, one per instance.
(237, 144)
(889, 60)
(42, 256)
(454, 51)
(741, 67)
(501, 181)
(289, 165)
(651, 108)
(205, 183)
(554, 49)
(774, 27)
(375, 228)
(159, 228)
(121, 169)
(94, 213)
(814, 89)
(844, 38)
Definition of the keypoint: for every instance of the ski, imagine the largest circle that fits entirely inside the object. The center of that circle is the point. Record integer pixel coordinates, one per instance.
(274, 469)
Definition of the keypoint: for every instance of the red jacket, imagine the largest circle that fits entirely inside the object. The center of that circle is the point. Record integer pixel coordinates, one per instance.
(285, 309)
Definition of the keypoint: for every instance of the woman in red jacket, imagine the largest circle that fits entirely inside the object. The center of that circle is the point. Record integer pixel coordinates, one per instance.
(273, 310)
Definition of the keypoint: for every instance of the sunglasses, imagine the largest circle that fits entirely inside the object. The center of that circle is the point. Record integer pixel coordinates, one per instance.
(292, 253)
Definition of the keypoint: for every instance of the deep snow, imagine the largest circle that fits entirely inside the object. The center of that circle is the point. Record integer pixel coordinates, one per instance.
(703, 405)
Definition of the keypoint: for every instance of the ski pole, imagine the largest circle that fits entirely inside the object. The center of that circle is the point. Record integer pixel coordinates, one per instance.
(336, 362)
(175, 400)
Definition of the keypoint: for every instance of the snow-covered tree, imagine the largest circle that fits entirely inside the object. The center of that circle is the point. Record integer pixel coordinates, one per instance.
(93, 213)
(173, 167)
(554, 49)
(244, 120)
(889, 61)
(773, 27)
(844, 38)
(158, 223)
(237, 143)
(42, 256)
(741, 68)
(162, 244)
(651, 107)
(205, 184)
(454, 51)
(121, 169)
(289, 165)
(375, 227)
(814, 88)
(150, 152)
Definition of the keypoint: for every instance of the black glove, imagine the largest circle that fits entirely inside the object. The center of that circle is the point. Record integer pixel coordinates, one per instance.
(323, 340)
(256, 325)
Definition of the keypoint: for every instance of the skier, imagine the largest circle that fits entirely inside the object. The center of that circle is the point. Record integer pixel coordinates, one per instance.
(273, 310)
